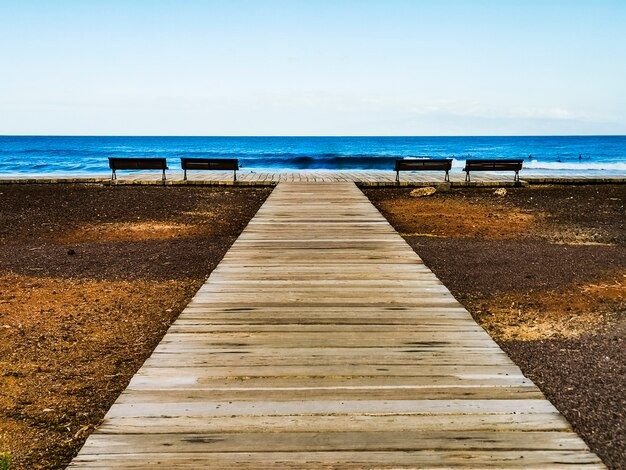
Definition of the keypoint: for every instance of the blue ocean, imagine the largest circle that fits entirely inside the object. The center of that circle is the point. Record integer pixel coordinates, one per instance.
(59, 155)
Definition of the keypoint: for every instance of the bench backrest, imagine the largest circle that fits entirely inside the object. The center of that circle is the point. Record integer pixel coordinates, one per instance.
(493, 164)
(117, 163)
(423, 164)
(209, 163)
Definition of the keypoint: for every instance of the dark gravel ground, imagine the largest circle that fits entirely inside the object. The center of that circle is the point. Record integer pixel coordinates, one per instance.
(40, 224)
(585, 379)
(488, 267)
(553, 256)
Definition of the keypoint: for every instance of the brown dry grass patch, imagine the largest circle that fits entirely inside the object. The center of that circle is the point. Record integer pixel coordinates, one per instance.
(124, 231)
(568, 313)
(439, 217)
(67, 347)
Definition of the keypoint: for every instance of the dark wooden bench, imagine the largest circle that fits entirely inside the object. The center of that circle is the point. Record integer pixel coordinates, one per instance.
(493, 165)
(421, 164)
(210, 164)
(120, 163)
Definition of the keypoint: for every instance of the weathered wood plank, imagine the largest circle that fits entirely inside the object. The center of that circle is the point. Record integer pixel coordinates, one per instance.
(152, 379)
(195, 326)
(338, 407)
(181, 390)
(343, 369)
(346, 460)
(341, 423)
(335, 441)
(281, 358)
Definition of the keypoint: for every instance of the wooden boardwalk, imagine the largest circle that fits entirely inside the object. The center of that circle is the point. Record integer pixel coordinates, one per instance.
(322, 341)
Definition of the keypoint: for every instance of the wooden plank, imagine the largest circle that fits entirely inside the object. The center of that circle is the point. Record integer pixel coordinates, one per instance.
(344, 369)
(337, 407)
(179, 390)
(198, 326)
(335, 441)
(149, 380)
(374, 356)
(352, 339)
(348, 302)
(345, 460)
(341, 423)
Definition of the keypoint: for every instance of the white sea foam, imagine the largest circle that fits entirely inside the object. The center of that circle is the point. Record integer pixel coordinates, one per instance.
(576, 166)
(570, 166)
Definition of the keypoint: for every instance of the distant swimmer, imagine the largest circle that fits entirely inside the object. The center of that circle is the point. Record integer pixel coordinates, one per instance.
(530, 157)
(558, 160)
(580, 157)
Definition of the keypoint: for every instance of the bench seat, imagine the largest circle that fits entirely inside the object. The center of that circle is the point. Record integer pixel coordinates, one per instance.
(123, 163)
(423, 164)
(500, 164)
(209, 164)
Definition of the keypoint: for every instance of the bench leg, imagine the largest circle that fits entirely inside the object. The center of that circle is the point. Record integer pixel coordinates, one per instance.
(163, 175)
(516, 178)
(234, 175)
(447, 177)
(397, 176)
(113, 175)
(185, 174)
(467, 177)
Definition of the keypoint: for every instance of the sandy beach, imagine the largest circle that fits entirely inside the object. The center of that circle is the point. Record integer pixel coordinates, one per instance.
(92, 276)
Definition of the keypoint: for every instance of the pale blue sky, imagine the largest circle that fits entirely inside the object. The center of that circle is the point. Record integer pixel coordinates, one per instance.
(312, 67)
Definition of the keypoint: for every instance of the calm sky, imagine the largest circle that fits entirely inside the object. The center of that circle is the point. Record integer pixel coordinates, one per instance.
(439, 67)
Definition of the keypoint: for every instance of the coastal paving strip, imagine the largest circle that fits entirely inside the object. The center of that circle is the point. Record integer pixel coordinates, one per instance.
(323, 341)
(362, 177)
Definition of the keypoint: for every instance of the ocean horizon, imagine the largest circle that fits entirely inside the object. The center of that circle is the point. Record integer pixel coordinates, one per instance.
(88, 155)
